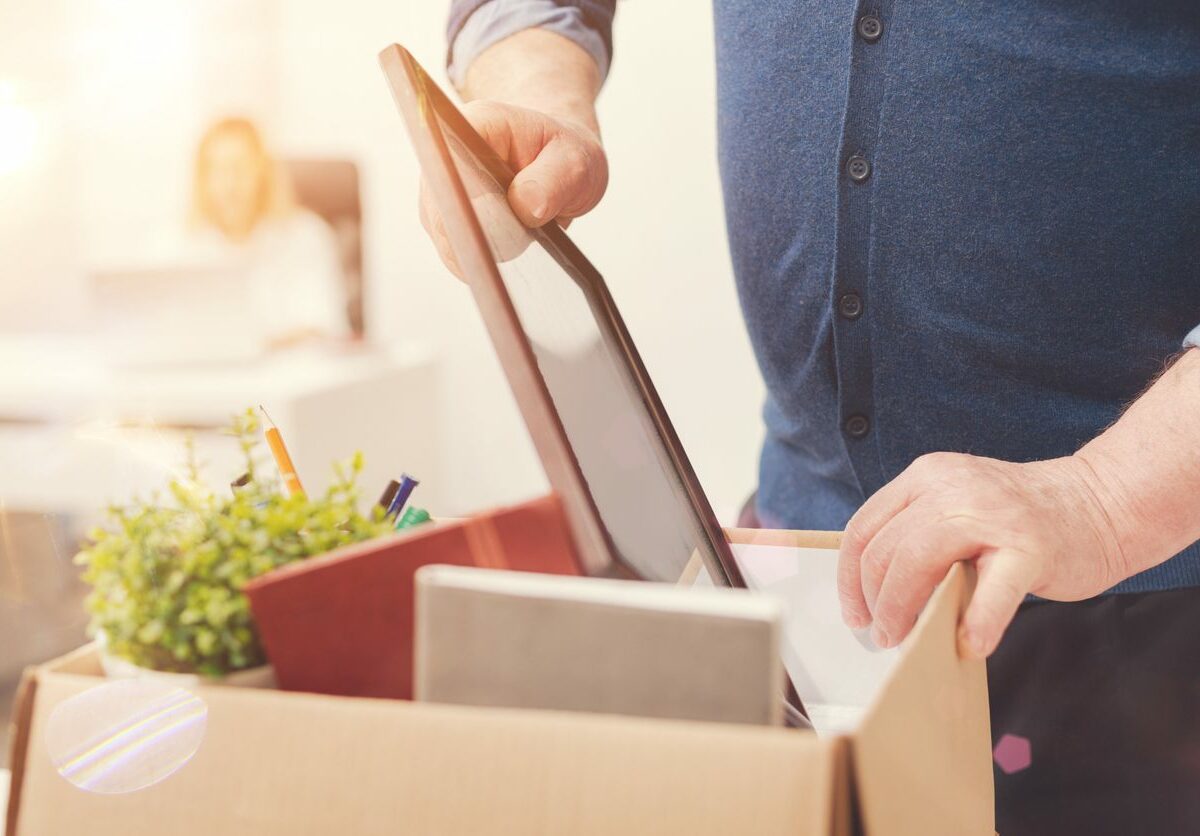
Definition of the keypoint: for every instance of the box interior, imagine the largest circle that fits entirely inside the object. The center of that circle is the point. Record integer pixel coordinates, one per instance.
(918, 760)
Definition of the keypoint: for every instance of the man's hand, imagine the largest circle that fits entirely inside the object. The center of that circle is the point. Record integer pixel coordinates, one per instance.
(1041, 527)
(1064, 529)
(561, 169)
(532, 97)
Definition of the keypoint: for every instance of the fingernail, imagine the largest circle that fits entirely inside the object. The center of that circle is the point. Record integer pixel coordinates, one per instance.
(534, 198)
(879, 637)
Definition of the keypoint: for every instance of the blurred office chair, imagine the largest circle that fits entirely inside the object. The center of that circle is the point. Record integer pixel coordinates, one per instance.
(330, 188)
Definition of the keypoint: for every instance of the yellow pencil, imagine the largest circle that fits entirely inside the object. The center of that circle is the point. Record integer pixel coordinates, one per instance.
(287, 470)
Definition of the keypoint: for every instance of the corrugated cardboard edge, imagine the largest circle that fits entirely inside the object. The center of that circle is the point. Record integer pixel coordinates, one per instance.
(21, 723)
(843, 815)
(930, 723)
(784, 537)
(691, 571)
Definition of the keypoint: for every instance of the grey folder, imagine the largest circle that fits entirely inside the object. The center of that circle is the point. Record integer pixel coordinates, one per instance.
(493, 638)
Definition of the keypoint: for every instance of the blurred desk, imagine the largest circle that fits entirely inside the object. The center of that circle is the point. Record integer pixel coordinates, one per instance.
(77, 431)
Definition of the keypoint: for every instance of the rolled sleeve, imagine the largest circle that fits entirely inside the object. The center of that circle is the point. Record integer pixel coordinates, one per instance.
(477, 24)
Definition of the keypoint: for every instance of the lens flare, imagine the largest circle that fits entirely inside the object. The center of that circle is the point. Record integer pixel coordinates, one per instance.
(125, 735)
(18, 137)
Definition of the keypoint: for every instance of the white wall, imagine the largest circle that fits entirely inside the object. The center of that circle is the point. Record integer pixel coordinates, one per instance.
(38, 228)
(658, 237)
(119, 91)
(123, 86)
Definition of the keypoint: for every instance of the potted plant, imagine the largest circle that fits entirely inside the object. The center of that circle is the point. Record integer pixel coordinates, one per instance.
(167, 574)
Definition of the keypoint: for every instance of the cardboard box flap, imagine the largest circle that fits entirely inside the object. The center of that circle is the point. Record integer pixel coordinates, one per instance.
(84, 661)
(784, 537)
(19, 730)
(275, 762)
(927, 719)
(929, 722)
(845, 812)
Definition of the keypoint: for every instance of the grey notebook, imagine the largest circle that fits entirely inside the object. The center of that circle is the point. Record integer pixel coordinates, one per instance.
(493, 638)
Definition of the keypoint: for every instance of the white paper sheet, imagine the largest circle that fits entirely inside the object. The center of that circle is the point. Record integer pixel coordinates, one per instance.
(835, 673)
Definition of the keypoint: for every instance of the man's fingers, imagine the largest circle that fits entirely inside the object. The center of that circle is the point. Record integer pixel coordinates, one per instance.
(1005, 578)
(567, 179)
(862, 528)
(559, 174)
(431, 220)
(855, 612)
(874, 514)
(920, 547)
(561, 169)
(503, 128)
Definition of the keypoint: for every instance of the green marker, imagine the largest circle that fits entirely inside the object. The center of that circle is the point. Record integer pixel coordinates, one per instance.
(411, 517)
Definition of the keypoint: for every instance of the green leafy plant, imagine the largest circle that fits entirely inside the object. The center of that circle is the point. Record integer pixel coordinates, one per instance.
(167, 575)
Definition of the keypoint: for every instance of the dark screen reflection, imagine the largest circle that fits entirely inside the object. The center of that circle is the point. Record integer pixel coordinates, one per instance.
(641, 501)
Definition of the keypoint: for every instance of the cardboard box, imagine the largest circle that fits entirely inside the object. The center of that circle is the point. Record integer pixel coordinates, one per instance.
(288, 763)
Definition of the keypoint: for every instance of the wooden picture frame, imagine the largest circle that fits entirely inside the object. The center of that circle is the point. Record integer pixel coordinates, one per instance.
(430, 116)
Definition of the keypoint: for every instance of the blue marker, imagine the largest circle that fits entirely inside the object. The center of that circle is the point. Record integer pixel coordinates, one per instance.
(407, 483)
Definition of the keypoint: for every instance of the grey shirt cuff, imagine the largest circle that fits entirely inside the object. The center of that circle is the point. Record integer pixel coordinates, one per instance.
(496, 20)
(1192, 340)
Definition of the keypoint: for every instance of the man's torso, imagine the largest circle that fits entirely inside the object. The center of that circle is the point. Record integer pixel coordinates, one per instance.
(1012, 260)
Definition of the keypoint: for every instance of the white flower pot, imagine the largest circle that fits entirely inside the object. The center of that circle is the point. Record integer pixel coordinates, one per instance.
(117, 668)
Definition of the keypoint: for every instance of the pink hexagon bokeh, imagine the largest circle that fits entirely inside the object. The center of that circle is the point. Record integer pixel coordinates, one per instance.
(1013, 753)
